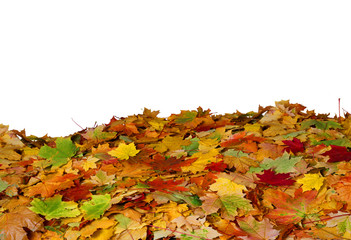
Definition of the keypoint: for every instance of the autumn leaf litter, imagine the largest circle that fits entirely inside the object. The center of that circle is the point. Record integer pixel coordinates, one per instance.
(282, 172)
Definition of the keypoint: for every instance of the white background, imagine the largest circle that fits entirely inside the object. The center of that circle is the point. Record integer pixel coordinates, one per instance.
(90, 60)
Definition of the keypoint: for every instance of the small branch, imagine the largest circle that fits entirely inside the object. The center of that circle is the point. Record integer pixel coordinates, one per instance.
(339, 111)
(77, 124)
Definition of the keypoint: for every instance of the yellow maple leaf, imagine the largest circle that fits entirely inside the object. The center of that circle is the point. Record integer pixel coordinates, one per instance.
(124, 151)
(103, 234)
(202, 160)
(310, 181)
(206, 144)
(157, 124)
(92, 227)
(90, 163)
(256, 127)
(224, 186)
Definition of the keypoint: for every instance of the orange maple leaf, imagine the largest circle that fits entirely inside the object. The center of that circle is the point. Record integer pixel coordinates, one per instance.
(47, 188)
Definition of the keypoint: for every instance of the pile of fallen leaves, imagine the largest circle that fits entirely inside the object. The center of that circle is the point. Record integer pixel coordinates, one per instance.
(279, 173)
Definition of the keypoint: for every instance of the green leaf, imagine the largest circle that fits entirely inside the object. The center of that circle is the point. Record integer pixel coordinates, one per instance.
(293, 134)
(283, 164)
(186, 116)
(235, 153)
(343, 142)
(54, 208)
(96, 207)
(324, 125)
(190, 199)
(232, 202)
(3, 185)
(193, 147)
(100, 135)
(59, 156)
(125, 138)
(344, 226)
(123, 220)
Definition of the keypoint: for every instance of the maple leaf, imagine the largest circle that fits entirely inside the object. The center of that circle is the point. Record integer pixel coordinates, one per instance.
(224, 186)
(232, 202)
(97, 134)
(204, 181)
(289, 210)
(283, 164)
(159, 162)
(187, 118)
(167, 185)
(323, 125)
(77, 193)
(96, 207)
(338, 154)
(59, 155)
(210, 203)
(243, 141)
(343, 188)
(189, 222)
(92, 227)
(239, 160)
(14, 223)
(124, 151)
(257, 230)
(342, 221)
(48, 187)
(121, 126)
(101, 178)
(202, 233)
(310, 181)
(202, 160)
(275, 179)
(193, 146)
(217, 167)
(54, 208)
(9, 144)
(90, 163)
(294, 145)
(3, 185)
(171, 143)
(157, 124)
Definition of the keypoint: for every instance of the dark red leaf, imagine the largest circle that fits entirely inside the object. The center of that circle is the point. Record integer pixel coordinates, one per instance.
(77, 193)
(338, 154)
(275, 179)
(294, 145)
(164, 186)
(217, 167)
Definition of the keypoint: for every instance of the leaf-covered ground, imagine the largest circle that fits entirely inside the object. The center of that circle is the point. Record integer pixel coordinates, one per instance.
(283, 172)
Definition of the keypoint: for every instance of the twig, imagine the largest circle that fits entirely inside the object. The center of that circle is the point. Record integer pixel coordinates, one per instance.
(77, 124)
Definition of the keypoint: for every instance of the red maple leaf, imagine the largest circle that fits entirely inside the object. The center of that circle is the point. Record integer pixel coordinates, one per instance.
(338, 154)
(204, 181)
(276, 179)
(217, 167)
(294, 145)
(247, 143)
(164, 186)
(77, 193)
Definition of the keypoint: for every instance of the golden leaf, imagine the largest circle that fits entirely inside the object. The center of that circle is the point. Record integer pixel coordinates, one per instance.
(124, 151)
